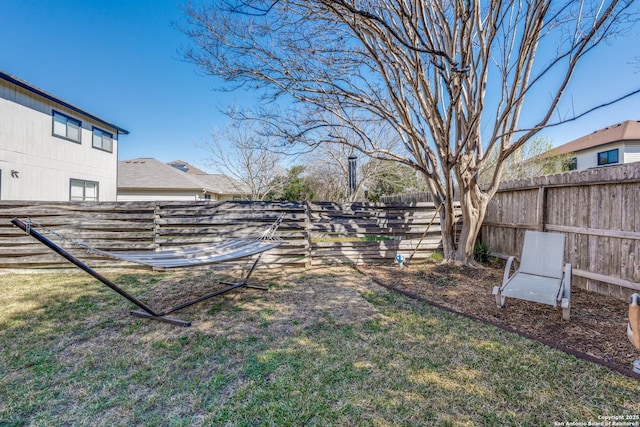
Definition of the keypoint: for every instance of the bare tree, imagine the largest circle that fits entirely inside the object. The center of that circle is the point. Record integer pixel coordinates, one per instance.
(242, 152)
(328, 165)
(391, 178)
(451, 78)
(328, 174)
(533, 158)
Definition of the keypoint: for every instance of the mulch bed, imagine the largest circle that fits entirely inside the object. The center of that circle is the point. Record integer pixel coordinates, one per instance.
(597, 330)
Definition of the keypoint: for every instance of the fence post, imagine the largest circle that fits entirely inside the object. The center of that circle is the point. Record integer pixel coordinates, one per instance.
(156, 225)
(307, 231)
(542, 207)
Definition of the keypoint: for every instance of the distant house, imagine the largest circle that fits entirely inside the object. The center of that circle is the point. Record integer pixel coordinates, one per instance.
(616, 144)
(151, 179)
(51, 150)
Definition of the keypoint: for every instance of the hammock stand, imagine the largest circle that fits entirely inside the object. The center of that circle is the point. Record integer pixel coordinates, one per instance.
(234, 249)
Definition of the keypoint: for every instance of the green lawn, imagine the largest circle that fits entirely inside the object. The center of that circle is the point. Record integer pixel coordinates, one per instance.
(304, 353)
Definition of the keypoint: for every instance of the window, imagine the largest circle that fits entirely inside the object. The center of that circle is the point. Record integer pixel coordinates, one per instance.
(66, 127)
(102, 140)
(608, 157)
(572, 164)
(83, 191)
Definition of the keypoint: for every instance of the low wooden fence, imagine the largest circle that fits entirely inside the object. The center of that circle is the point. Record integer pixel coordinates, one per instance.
(598, 211)
(314, 233)
(422, 196)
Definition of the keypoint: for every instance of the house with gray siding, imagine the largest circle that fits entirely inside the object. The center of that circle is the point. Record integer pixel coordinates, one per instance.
(150, 179)
(615, 144)
(51, 150)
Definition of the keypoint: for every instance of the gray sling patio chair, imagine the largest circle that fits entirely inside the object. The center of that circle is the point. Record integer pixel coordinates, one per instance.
(542, 277)
(229, 250)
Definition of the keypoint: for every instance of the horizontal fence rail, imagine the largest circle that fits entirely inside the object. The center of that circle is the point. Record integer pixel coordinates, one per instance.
(314, 233)
(597, 210)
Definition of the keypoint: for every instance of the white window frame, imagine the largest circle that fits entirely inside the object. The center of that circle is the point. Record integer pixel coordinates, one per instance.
(102, 140)
(62, 126)
(84, 197)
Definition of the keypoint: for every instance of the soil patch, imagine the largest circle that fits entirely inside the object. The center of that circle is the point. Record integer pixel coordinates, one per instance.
(295, 301)
(597, 327)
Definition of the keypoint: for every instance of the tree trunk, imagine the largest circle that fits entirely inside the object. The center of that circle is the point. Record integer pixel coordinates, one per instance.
(448, 230)
(473, 205)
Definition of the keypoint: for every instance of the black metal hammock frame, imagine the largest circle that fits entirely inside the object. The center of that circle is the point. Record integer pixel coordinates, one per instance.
(230, 250)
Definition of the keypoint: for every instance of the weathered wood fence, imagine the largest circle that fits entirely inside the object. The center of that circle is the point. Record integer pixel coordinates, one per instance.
(599, 212)
(315, 233)
(421, 196)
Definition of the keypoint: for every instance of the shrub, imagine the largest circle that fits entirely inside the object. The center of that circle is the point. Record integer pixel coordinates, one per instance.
(481, 253)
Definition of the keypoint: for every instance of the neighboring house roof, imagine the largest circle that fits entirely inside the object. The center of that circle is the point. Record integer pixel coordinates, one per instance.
(625, 131)
(37, 91)
(149, 173)
(224, 184)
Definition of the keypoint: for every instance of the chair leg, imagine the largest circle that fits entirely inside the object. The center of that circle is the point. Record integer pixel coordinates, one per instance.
(566, 293)
(500, 300)
(565, 303)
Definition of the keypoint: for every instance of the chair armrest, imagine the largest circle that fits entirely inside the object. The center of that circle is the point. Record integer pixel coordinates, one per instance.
(566, 283)
(507, 269)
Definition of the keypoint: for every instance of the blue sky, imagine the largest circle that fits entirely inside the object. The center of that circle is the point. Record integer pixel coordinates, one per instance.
(119, 60)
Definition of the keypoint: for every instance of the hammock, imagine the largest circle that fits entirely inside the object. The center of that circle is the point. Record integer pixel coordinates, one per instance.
(229, 250)
(233, 249)
(172, 258)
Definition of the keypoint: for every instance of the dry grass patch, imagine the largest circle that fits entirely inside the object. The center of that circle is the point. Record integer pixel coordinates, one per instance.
(321, 347)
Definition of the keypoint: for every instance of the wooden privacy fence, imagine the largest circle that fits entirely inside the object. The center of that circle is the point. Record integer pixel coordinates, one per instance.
(597, 210)
(314, 233)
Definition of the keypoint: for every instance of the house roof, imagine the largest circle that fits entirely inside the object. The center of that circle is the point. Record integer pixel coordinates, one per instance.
(223, 183)
(625, 131)
(149, 173)
(37, 91)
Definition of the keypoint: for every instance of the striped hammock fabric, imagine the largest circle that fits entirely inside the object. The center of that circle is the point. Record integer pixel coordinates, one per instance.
(185, 257)
(229, 250)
